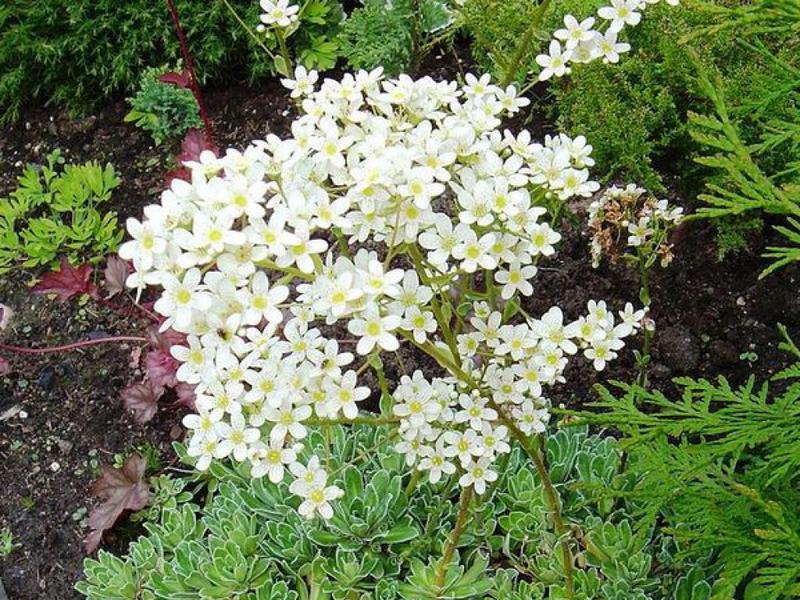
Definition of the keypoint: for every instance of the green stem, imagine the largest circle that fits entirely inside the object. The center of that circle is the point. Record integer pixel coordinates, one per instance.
(524, 44)
(644, 296)
(412, 483)
(537, 455)
(455, 535)
(416, 33)
(249, 31)
(360, 420)
(287, 59)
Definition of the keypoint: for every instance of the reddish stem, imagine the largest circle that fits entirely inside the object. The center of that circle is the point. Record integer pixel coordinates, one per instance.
(187, 59)
(124, 310)
(74, 345)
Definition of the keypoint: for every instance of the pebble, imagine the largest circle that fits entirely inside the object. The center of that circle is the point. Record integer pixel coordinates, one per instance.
(678, 349)
(55, 467)
(740, 301)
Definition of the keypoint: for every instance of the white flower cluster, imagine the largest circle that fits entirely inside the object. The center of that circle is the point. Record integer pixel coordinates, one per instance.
(582, 43)
(278, 13)
(444, 421)
(629, 212)
(388, 196)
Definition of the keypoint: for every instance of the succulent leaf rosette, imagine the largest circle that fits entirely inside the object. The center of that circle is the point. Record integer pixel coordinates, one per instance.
(397, 213)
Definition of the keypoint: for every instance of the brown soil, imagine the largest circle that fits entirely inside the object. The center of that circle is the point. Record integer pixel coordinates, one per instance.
(708, 315)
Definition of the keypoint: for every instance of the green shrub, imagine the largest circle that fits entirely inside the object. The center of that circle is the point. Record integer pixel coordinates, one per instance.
(496, 27)
(384, 541)
(383, 34)
(55, 212)
(164, 110)
(718, 468)
(77, 53)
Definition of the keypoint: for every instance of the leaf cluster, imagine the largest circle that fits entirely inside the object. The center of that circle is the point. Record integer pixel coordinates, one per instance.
(238, 537)
(717, 469)
(389, 34)
(165, 111)
(55, 211)
(77, 53)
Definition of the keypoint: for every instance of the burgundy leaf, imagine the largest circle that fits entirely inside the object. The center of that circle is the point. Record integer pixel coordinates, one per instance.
(67, 282)
(164, 340)
(120, 489)
(5, 367)
(115, 273)
(182, 79)
(142, 399)
(186, 396)
(194, 143)
(160, 368)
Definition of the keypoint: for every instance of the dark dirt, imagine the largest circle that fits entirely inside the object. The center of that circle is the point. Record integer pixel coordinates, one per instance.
(708, 316)
(61, 414)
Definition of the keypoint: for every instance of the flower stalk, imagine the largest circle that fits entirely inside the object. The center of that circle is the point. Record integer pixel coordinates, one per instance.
(455, 536)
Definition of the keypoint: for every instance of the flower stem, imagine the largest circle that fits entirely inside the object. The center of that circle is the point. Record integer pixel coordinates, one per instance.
(249, 31)
(187, 59)
(455, 535)
(644, 296)
(72, 346)
(525, 43)
(360, 420)
(537, 455)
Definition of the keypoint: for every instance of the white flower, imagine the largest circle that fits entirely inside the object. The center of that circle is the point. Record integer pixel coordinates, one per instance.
(303, 82)
(307, 477)
(373, 329)
(621, 13)
(301, 252)
(542, 238)
(264, 301)
(288, 421)
(235, 437)
(271, 460)
(609, 47)
(474, 412)
(477, 474)
(474, 252)
(318, 500)
(515, 279)
(464, 445)
(180, 298)
(419, 323)
(436, 462)
(145, 244)
(279, 13)
(529, 418)
(342, 396)
(554, 63)
(574, 32)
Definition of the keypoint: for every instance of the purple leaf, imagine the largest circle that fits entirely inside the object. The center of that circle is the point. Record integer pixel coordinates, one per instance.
(67, 282)
(121, 489)
(182, 79)
(142, 399)
(115, 273)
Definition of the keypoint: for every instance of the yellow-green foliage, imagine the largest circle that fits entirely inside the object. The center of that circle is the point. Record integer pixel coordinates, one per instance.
(56, 212)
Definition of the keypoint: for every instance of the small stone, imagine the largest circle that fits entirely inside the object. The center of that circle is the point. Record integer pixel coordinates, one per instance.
(740, 301)
(23, 414)
(64, 446)
(723, 353)
(678, 348)
(55, 467)
(659, 371)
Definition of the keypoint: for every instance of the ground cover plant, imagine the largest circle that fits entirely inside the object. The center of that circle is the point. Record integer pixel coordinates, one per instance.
(58, 210)
(403, 321)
